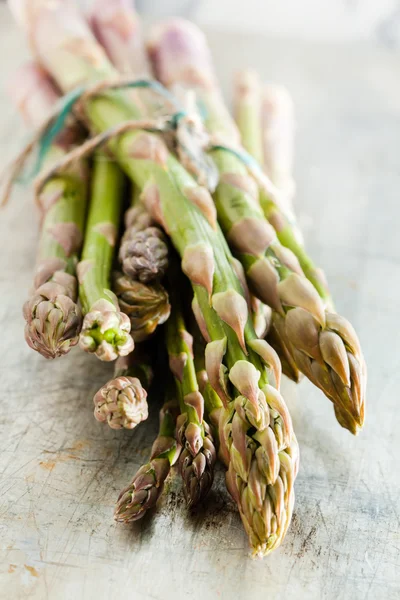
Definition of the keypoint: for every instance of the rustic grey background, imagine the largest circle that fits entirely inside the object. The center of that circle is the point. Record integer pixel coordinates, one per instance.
(315, 20)
(60, 470)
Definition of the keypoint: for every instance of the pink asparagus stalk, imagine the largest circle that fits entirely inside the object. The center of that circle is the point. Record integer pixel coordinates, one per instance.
(117, 27)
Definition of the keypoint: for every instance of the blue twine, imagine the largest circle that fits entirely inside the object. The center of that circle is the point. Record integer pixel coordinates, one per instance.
(242, 155)
(66, 105)
(67, 102)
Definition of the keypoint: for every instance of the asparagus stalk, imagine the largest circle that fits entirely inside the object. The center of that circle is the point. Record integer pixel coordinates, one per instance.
(276, 500)
(105, 329)
(265, 118)
(53, 318)
(323, 345)
(143, 251)
(186, 211)
(278, 127)
(256, 111)
(147, 485)
(122, 401)
(197, 460)
(247, 114)
(117, 27)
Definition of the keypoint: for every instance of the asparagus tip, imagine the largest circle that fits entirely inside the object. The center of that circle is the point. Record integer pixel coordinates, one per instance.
(53, 321)
(198, 472)
(106, 333)
(143, 492)
(145, 255)
(121, 403)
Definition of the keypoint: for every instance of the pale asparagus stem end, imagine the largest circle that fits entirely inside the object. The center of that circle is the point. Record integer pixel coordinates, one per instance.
(32, 92)
(121, 403)
(171, 64)
(117, 27)
(278, 125)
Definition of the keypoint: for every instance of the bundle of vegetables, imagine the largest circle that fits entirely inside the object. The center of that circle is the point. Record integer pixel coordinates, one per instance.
(220, 196)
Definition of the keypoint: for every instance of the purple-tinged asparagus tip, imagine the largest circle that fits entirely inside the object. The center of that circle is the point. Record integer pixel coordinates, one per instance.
(53, 320)
(198, 472)
(143, 492)
(122, 403)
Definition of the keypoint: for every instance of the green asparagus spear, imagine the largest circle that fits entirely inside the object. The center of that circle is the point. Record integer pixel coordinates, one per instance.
(53, 317)
(197, 460)
(105, 329)
(147, 485)
(251, 107)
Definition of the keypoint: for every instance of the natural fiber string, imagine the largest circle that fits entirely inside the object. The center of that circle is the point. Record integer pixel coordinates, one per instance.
(54, 123)
(76, 100)
(160, 125)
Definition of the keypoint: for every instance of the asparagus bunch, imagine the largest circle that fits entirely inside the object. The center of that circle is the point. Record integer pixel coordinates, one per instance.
(53, 317)
(147, 485)
(197, 460)
(122, 401)
(232, 376)
(105, 329)
(237, 362)
(322, 344)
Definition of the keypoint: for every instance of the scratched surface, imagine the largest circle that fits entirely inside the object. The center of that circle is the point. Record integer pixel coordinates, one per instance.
(60, 470)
